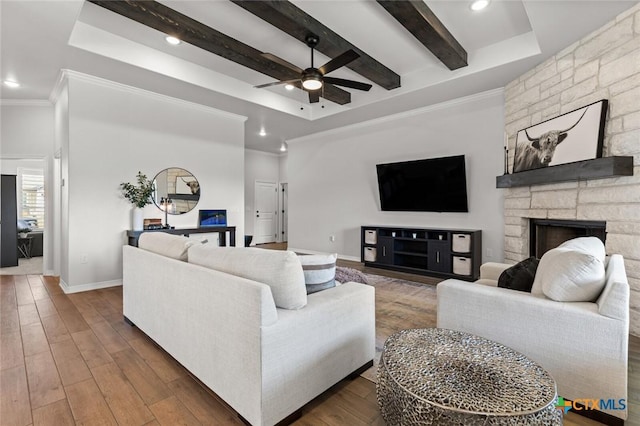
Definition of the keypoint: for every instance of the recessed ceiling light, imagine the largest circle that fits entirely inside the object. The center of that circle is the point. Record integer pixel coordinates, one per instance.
(289, 86)
(172, 40)
(12, 84)
(479, 5)
(262, 132)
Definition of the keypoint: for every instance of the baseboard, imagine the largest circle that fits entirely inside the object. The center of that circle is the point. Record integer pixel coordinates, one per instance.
(68, 289)
(340, 256)
(360, 370)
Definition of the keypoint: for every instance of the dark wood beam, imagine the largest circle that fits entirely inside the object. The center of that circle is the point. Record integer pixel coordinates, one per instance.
(420, 21)
(298, 24)
(162, 18)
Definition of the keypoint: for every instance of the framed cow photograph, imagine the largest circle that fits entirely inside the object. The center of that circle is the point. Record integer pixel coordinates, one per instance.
(574, 136)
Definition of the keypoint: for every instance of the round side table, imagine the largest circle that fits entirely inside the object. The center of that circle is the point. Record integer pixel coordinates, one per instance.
(444, 377)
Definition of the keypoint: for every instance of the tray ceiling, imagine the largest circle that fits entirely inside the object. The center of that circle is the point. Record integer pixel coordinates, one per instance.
(502, 42)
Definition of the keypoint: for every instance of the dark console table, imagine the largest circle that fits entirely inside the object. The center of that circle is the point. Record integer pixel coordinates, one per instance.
(221, 230)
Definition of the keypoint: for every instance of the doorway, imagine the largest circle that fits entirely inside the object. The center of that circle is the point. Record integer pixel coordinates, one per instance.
(31, 217)
(266, 212)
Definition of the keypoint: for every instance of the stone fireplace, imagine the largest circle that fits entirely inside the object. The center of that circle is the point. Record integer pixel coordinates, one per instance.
(546, 234)
(602, 65)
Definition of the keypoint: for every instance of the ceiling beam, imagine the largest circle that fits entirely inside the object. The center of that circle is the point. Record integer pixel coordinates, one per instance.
(171, 22)
(297, 23)
(420, 21)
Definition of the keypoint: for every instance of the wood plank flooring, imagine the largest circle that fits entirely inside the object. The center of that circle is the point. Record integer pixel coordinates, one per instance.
(71, 359)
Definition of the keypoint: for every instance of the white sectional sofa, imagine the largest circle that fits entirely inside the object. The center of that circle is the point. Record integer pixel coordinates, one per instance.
(584, 345)
(266, 362)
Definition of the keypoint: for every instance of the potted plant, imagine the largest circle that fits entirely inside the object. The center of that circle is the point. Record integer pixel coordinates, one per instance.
(138, 194)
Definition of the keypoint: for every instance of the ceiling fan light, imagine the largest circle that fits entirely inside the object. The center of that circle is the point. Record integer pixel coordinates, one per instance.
(479, 5)
(312, 83)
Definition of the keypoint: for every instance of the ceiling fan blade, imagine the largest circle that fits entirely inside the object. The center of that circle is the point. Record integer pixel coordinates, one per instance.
(282, 62)
(314, 96)
(347, 83)
(338, 61)
(335, 94)
(277, 83)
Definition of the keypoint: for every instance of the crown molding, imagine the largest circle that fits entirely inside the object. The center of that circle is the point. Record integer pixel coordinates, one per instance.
(393, 117)
(26, 102)
(61, 81)
(267, 153)
(67, 74)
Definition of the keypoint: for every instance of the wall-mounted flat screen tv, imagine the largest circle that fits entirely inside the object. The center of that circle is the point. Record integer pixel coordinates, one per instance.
(429, 185)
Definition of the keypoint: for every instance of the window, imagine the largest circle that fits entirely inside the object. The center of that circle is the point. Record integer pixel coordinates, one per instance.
(31, 197)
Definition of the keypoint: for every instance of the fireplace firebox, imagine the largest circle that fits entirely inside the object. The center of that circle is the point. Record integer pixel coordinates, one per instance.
(547, 234)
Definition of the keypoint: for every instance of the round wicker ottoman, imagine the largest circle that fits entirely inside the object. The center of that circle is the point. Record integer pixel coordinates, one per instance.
(436, 376)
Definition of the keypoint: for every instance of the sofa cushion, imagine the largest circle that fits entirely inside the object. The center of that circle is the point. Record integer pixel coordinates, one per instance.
(570, 275)
(280, 270)
(319, 271)
(169, 245)
(592, 245)
(23, 226)
(520, 276)
(589, 245)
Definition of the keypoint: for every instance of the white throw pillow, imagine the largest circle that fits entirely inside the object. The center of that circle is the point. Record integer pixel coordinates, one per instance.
(590, 245)
(319, 271)
(169, 245)
(570, 275)
(280, 270)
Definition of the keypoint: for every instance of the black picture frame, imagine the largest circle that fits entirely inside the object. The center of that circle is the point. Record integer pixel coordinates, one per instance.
(573, 136)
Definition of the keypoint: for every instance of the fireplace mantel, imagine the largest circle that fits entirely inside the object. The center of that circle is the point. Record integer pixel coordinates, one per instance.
(598, 168)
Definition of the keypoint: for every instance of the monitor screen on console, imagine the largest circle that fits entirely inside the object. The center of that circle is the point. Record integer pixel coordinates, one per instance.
(209, 218)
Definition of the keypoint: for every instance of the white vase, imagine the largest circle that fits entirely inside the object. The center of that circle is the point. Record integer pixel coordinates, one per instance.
(137, 219)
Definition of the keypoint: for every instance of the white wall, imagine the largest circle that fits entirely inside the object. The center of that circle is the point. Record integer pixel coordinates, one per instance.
(27, 129)
(259, 166)
(333, 184)
(116, 131)
(27, 132)
(283, 168)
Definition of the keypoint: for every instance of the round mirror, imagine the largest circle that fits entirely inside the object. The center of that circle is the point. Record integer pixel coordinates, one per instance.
(177, 191)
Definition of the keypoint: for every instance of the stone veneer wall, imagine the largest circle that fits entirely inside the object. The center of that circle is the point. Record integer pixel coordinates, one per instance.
(603, 65)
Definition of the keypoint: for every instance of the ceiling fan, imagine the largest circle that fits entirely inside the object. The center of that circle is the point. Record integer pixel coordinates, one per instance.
(313, 79)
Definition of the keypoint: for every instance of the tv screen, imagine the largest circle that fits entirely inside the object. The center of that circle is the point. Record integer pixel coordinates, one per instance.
(208, 218)
(429, 185)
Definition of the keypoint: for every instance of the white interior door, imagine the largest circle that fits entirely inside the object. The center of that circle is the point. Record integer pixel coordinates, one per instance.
(266, 212)
(284, 192)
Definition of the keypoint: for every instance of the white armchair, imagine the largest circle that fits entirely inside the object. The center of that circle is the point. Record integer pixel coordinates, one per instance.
(584, 345)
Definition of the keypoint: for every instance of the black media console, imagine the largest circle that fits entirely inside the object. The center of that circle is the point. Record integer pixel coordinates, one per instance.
(448, 253)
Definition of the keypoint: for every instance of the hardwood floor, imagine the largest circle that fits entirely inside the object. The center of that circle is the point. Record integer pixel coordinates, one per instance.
(71, 359)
